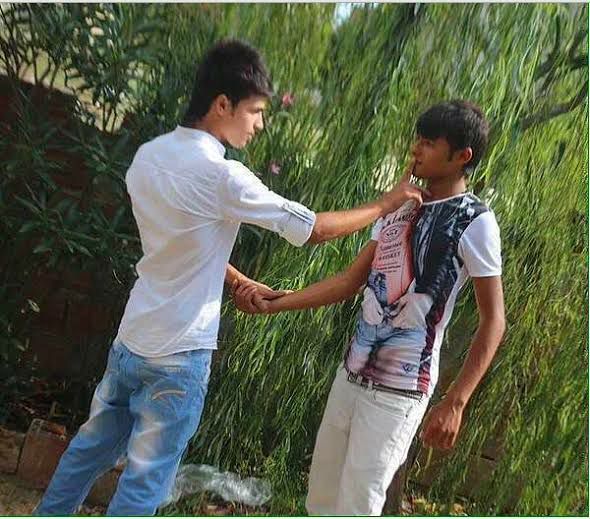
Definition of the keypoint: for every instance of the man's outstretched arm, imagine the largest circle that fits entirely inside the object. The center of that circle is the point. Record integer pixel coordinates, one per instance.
(337, 288)
(242, 197)
(443, 421)
(335, 224)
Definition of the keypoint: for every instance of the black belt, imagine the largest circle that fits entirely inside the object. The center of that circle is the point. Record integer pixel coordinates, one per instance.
(356, 378)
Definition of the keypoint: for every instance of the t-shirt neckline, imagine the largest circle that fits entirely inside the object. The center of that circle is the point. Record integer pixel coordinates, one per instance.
(465, 193)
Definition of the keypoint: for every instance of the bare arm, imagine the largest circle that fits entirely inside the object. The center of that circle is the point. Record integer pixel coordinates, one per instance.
(233, 275)
(234, 278)
(331, 225)
(442, 424)
(490, 302)
(335, 224)
(334, 289)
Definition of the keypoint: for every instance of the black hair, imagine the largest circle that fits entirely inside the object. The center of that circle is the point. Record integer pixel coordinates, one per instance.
(230, 67)
(461, 123)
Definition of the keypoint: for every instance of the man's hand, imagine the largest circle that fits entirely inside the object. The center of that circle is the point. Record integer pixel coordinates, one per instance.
(441, 425)
(403, 191)
(252, 297)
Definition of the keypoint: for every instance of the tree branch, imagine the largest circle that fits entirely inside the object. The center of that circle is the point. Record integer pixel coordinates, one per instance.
(579, 38)
(577, 62)
(546, 67)
(545, 115)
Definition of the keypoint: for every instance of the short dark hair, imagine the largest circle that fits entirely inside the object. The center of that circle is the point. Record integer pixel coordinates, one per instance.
(230, 67)
(461, 123)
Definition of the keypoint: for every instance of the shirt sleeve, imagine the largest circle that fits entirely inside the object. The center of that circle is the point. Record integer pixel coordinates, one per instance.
(377, 229)
(244, 198)
(480, 247)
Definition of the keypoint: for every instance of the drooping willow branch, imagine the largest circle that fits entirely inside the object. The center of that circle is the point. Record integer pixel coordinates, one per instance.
(555, 111)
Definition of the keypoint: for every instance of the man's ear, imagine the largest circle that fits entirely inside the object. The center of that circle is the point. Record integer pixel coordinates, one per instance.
(465, 155)
(221, 105)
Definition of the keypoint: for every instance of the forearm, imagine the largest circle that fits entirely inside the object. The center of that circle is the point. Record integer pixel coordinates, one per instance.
(483, 348)
(328, 291)
(233, 274)
(335, 224)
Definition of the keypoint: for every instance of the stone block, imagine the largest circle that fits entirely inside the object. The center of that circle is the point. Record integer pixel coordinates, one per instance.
(11, 443)
(44, 444)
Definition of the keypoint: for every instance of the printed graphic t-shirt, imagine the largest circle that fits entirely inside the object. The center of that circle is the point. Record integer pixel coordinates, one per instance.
(423, 258)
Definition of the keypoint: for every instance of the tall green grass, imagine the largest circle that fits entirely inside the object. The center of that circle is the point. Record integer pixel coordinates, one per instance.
(382, 68)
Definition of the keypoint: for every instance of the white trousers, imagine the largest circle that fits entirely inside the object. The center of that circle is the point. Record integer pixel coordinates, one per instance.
(363, 439)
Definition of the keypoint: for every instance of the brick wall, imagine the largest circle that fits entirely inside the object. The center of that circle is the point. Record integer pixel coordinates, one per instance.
(70, 320)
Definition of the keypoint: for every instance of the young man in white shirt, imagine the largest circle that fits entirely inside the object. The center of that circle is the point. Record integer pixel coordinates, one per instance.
(418, 259)
(189, 202)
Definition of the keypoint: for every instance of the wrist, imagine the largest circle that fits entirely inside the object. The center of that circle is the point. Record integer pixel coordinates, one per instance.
(383, 207)
(233, 274)
(455, 401)
(388, 204)
(243, 280)
(274, 306)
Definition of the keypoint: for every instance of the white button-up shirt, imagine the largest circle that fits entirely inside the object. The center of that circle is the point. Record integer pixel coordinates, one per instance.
(188, 202)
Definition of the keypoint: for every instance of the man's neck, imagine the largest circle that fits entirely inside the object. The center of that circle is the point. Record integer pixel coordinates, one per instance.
(206, 126)
(446, 187)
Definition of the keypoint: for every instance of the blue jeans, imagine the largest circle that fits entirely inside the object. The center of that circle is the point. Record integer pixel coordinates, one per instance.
(146, 408)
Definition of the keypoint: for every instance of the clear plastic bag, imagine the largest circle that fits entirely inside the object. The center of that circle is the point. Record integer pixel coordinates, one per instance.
(192, 479)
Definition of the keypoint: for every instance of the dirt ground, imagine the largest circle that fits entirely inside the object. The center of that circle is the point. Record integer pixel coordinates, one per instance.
(17, 499)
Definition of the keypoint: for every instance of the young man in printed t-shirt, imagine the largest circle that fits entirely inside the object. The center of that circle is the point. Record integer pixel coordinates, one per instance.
(417, 261)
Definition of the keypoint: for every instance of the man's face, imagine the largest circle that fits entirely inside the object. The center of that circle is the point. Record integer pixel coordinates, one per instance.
(433, 158)
(241, 122)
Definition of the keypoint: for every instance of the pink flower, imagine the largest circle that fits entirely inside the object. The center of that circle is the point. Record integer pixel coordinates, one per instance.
(287, 100)
(274, 167)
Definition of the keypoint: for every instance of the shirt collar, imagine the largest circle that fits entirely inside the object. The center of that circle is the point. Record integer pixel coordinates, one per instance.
(203, 137)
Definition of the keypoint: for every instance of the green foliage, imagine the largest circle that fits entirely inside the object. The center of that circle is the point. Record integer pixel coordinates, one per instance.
(358, 87)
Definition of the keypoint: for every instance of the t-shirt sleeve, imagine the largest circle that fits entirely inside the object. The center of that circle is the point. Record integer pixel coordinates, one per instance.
(480, 247)
(244, 198)
(377, 229)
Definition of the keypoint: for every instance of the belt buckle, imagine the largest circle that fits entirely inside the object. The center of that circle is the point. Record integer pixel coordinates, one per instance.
(365, 382)
(357, 378)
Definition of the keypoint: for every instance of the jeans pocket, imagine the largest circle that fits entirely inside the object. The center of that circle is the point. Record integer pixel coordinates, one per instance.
(395, 403)
(177, 383)
(170, 394)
